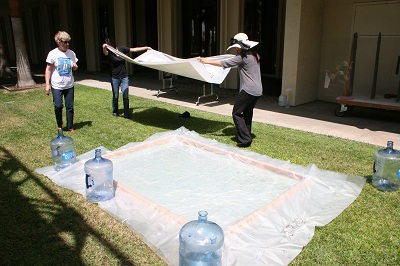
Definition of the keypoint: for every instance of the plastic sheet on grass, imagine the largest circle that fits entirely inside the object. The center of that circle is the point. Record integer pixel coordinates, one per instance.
(267, 208)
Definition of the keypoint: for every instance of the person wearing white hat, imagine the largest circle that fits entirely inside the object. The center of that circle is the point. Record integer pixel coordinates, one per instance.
(248, 62)
(241, 41)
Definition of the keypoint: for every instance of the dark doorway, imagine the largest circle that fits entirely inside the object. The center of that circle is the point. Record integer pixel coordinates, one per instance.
(151, 24)
(106, 15)
(200, 25)
(4, 50)
(263, 22)
(106, 20)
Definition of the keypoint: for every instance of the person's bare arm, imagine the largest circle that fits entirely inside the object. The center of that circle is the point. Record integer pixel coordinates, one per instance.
(47, 73)
(210, 62)
(105, 51)
(74, 66)
(139, 49)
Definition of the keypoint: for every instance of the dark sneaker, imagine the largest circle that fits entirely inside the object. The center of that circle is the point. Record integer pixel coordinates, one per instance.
(243, 145)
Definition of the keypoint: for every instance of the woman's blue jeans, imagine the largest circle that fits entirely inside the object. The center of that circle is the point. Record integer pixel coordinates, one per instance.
(68, 95)
(122, 83)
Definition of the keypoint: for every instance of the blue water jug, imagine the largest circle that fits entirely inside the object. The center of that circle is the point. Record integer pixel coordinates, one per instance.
(99, 178)
(62, 150)
(386, 175)
(200, 242)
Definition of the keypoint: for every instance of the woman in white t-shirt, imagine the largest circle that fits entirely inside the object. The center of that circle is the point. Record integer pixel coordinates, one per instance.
(61, 61)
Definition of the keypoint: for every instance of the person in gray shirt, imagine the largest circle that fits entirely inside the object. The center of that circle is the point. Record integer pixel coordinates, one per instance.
(248, 62)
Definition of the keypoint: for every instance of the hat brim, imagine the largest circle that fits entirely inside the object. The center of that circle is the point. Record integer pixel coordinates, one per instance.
(233, 46)
(250, 44)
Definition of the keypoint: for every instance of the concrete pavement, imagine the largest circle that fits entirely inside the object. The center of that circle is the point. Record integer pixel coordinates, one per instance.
(372, 126)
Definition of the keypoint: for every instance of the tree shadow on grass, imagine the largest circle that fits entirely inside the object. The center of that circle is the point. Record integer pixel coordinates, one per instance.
(35, 228)
(169, 120)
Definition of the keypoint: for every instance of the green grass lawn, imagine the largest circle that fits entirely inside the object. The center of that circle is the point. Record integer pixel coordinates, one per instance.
(44, 224)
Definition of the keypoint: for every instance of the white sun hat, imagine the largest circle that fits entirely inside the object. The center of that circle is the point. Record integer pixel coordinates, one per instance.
(241, 41)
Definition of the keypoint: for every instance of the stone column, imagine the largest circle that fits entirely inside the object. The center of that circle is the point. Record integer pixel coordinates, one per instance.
(123, 26)
(231, 22)
(302, 49)
(167, 34)
(91, 28)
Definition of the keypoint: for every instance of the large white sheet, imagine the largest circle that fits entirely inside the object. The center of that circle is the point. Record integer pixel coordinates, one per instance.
(267, 208)
(190, 67)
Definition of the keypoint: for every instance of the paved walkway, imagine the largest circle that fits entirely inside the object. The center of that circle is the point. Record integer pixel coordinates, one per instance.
(372, 126)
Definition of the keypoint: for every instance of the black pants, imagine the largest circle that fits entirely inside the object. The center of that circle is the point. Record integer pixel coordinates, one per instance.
(242, 115)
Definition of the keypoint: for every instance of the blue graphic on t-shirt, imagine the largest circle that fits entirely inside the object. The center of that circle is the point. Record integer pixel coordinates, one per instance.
(64, 66)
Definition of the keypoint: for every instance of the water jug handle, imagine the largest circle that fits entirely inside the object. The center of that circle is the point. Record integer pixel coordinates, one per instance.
(87, 181)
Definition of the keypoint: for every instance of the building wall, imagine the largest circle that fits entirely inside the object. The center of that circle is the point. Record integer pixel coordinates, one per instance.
(336, 43)
(291, 47)
(318, 35)
(309, 55)
(301, 58)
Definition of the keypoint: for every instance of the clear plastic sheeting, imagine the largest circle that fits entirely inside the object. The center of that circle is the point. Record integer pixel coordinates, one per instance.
(267, 208)
(190, 68)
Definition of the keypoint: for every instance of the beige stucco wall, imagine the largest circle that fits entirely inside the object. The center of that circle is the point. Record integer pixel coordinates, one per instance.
(301, 56)
(291, 47)
(336, 43)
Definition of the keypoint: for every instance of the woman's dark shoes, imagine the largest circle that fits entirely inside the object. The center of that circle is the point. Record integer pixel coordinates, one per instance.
(243, 145)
